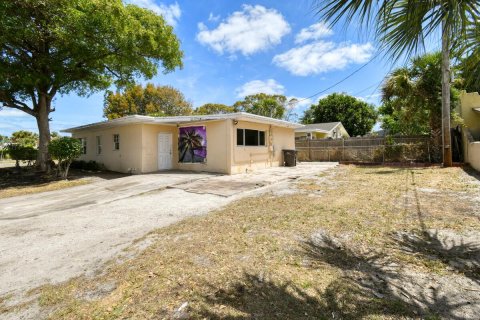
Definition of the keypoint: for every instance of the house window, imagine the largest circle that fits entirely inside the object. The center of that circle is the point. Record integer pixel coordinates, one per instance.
(116, 142)
(83, 141)
(99, 145)
(248, 137)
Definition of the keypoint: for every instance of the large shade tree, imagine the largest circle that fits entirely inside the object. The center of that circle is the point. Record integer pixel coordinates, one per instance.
(403, 25)
(357, 116)
(160, 101)
(52, 47)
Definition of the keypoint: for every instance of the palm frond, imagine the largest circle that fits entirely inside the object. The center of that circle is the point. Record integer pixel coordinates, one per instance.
(401, 26)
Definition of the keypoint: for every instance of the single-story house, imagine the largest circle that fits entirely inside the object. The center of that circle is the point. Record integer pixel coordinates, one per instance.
(333, 130)
(223, 143)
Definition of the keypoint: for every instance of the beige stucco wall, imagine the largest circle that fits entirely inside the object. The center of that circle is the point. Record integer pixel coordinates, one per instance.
(471, 119)
(249, 158)
(218, 148)
(471, 131)
(150, 146)
(139, 147)
(473, 154)
(128, 157)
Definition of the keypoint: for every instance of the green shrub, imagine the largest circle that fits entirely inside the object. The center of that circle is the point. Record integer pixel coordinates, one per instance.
(65, 150)
(87, 165)
(21, 153)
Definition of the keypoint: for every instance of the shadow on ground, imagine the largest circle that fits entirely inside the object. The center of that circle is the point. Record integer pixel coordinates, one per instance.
(471, 172)
(370, 285)
(460, 255)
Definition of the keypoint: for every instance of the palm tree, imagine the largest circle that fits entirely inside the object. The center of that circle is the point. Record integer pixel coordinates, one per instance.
(403, 25)
(189, 141)
(412, 102)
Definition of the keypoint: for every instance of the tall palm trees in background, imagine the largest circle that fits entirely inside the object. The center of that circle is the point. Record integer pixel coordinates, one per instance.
(411, 100)
(401, 27)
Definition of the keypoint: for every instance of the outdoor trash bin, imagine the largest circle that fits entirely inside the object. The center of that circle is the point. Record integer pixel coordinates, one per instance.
(289, 158)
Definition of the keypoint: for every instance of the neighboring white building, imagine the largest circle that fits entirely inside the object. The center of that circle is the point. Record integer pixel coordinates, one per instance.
(332, 130)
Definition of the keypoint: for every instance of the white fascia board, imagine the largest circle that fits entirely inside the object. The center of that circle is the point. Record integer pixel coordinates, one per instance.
(137, 119)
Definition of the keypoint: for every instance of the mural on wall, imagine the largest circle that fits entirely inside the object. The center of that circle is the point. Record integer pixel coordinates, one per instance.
(192, 144)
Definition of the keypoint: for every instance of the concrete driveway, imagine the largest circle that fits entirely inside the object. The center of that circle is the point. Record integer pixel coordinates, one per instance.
(54, 236)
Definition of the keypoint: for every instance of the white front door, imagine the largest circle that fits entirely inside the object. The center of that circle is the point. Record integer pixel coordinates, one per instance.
(164, 151)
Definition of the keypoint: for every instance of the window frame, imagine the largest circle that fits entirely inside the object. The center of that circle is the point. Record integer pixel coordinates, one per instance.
(83, 141)
(258, 138)
(116, 142)
(98, 140)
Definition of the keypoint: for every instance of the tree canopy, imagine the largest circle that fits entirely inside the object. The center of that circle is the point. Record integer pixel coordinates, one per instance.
(151, 100)
(25, 138)
(50, 47)
(412, 97)
(401, 27)
(214, 108)
(357, 116)
(268, 105)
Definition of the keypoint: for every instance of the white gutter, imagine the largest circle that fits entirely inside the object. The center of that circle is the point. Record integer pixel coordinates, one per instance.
(137, 119)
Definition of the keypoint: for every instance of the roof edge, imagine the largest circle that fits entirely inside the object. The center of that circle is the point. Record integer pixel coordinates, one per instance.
(139, 119)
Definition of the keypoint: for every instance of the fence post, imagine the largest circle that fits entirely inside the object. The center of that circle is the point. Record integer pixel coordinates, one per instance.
(384, 147)
(343, 149)
(428, 150)
(309, 150)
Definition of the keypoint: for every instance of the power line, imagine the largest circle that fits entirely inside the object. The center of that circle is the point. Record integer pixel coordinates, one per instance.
(342, 80)
(371, 86)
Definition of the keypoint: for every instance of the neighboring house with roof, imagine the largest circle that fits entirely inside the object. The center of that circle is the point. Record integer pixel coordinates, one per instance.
(224, 143)
(333, 130)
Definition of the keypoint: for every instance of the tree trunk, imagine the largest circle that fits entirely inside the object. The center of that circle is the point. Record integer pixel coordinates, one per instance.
(43, 158)
(447, 150)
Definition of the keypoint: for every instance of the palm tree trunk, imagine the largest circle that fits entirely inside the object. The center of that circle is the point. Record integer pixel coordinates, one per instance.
(447, 150)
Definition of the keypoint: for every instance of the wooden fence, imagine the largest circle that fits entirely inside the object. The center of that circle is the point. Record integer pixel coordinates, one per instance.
(371, 149)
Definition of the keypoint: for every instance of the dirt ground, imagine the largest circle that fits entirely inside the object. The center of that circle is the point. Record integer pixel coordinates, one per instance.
(347, 243)
(51, 237)
(26, 180)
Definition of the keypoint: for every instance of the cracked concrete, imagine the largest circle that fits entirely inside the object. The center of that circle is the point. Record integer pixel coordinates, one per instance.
(53, 236)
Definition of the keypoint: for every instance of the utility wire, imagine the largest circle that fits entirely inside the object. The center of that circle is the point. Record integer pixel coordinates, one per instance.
(369, 87)
(342, 80)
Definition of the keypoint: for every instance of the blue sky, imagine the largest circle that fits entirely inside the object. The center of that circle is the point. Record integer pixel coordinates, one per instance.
(235, 48)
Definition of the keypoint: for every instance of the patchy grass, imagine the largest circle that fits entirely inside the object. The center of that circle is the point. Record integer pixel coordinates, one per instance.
(339, 248)
(15, 182)
(48, 186)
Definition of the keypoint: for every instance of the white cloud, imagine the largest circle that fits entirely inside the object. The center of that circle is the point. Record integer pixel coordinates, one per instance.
(213, 18)
(373, 97)
(321, 57)
(253, 29)
(314, 32)
(269, 86)
(171, 13)
(12, 113)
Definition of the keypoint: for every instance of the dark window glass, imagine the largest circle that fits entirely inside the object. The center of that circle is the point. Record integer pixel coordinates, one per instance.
(261, 135)
(251, 137)
(239, 137)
